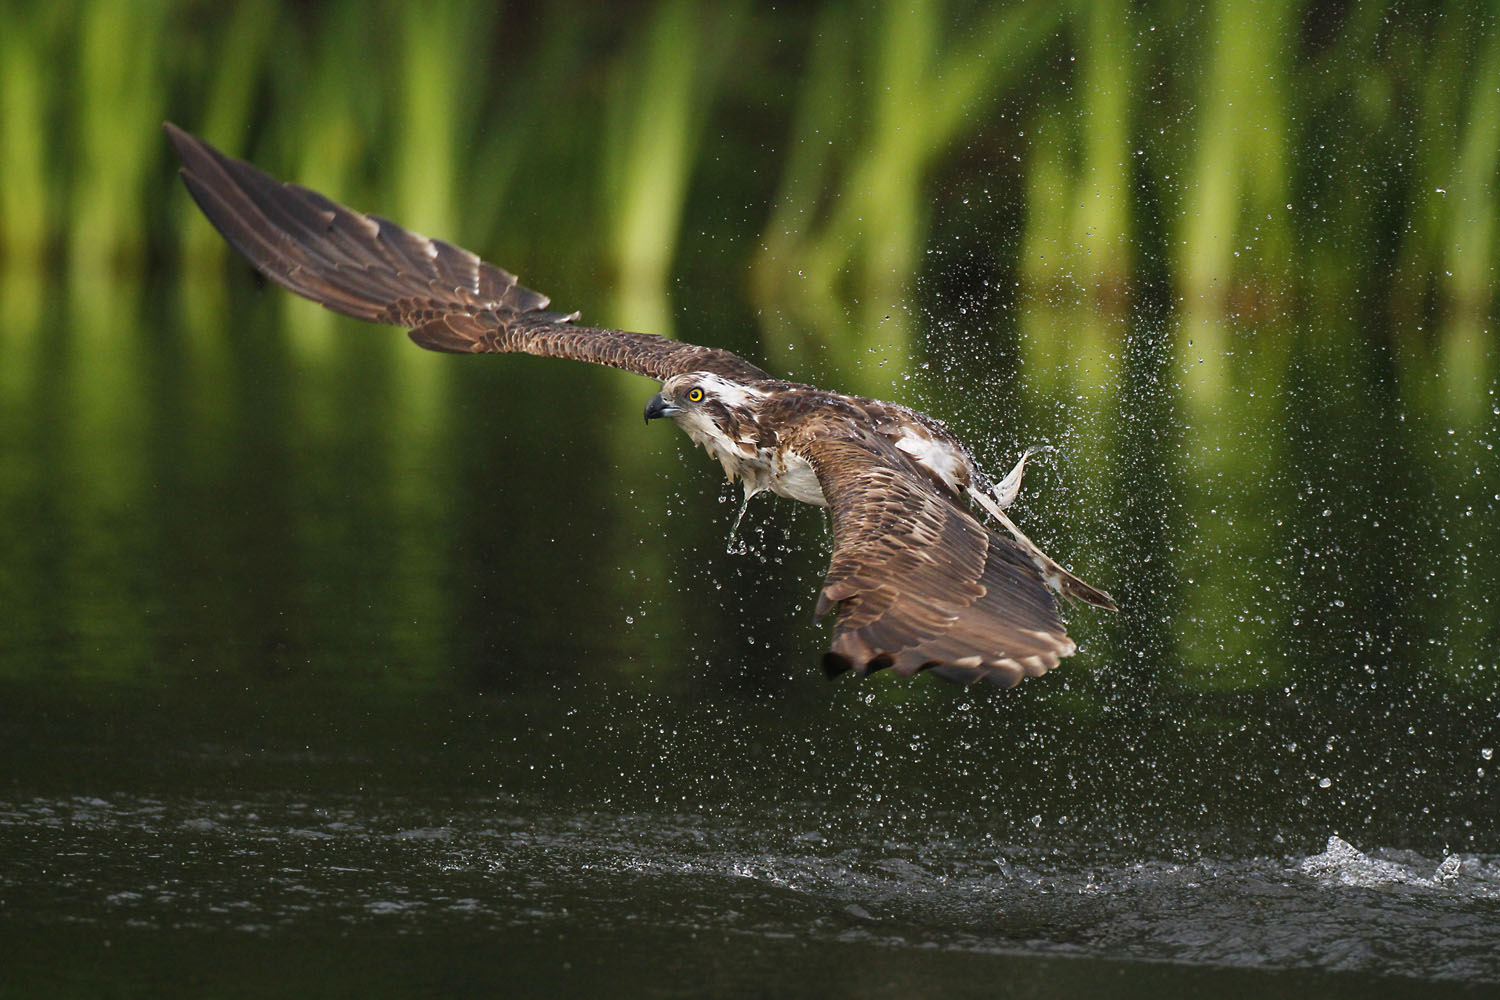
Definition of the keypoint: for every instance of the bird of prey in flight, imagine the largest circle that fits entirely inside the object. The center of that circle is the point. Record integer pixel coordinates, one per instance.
(917, 580)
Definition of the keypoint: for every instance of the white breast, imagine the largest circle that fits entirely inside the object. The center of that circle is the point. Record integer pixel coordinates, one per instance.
(796, 479)
(758, 469)
(741, 459)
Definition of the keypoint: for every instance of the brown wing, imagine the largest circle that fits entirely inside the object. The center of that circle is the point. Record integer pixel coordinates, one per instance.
(367, 267)
(920, 584)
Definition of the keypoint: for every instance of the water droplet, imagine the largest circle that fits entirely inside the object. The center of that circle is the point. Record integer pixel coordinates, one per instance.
(1325, 782)
(1488, 753)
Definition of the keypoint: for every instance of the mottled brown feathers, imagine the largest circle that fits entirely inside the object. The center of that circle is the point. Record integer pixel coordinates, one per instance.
(370, 268)
(917, 582)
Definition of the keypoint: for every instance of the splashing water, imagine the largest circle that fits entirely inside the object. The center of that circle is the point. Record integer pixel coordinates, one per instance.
(276, 872)
(736, 544)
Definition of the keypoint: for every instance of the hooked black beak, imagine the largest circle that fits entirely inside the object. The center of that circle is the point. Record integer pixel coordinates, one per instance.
(658, 407)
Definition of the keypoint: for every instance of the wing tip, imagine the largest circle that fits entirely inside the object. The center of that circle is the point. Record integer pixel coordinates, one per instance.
(835, 663)
(852, 652)
(188, 147)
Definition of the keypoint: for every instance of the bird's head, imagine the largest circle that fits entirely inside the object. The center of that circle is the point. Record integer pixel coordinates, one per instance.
(710, 408)
(704, 394)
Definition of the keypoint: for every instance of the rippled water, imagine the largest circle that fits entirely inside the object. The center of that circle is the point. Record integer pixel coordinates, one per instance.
(178, 893)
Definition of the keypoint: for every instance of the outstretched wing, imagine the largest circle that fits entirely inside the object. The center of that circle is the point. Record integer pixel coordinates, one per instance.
(368, 267)
(919, 584)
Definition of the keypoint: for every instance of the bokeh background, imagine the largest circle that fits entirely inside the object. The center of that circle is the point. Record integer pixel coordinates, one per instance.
(329, 665)
(1235, 261)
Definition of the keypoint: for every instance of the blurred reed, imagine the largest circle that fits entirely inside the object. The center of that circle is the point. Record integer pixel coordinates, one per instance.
(425, 113)
(118, 96)
(27, 47)
(887, 98)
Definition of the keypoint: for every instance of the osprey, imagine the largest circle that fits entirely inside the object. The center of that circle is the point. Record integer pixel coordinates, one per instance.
(917, 581)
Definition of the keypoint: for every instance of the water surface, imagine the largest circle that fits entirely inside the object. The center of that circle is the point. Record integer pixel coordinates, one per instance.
(333, 666)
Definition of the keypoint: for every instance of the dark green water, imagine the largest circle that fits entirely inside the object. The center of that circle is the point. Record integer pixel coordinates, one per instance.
(330, 666)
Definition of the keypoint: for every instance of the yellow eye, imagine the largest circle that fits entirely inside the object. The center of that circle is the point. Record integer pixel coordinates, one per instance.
(695, 395)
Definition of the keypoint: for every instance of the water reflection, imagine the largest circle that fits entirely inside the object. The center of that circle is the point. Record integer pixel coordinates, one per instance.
(224, 498)
(245, 554)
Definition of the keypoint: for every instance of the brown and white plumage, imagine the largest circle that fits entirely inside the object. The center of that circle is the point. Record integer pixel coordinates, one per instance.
(917, 581)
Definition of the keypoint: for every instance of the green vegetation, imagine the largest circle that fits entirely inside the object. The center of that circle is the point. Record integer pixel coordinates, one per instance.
(1237, 260)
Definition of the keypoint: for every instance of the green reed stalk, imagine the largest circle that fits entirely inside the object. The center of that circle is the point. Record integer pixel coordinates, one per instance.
(656, 117)
(921, 97)
(119, 104)
(25, 92)
(1470, 268)
(235, 64)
